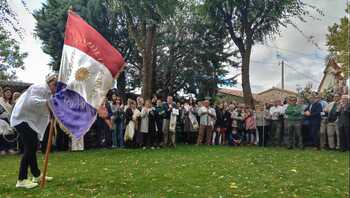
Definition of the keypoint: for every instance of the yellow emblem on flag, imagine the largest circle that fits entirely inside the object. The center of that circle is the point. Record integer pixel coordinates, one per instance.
(82, 74)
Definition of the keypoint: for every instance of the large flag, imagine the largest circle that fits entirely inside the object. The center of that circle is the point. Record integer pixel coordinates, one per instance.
(88, 66)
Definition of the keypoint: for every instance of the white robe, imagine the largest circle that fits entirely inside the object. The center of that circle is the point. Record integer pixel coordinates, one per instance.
(31, 107)
(77, 145)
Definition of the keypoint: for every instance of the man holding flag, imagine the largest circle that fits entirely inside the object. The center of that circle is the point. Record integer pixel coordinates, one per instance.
(89, 64)
(31, 117)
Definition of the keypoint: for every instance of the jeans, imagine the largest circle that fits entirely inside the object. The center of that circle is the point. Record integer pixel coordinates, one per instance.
(30, 142)
(234, 138)
(250, 136)
(118, 135)
(230, 137)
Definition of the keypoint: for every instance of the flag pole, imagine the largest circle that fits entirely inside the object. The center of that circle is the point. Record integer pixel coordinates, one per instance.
(48, 149)
(49, 142)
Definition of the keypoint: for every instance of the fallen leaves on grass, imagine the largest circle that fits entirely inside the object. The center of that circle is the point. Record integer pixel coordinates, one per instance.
(233, 185)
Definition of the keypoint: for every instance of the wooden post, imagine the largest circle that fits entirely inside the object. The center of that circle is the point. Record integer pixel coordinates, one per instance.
(48, 149)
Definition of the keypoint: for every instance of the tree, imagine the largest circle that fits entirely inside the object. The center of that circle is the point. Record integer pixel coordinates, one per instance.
(8, 17)
(183, 52)
(338, 42)
(10, 56)
(192, 55)
(143, 17)
(249, 22)
(51, 20)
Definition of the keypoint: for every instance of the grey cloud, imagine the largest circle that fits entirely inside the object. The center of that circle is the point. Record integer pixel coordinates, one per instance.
(297, 52)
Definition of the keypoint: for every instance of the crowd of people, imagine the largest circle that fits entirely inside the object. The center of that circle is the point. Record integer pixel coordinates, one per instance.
(153, 124)
(294, 123)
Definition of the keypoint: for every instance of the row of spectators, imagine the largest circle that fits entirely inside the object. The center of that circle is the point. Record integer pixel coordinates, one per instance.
(156, 123)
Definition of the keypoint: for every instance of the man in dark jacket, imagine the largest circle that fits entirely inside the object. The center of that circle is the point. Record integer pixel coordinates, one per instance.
(313, 113)
(343, 123)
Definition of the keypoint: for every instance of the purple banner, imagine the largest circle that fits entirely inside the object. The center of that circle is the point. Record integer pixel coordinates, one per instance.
(71, 110)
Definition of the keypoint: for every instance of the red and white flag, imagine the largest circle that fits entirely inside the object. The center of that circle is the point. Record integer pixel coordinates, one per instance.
(89, 65)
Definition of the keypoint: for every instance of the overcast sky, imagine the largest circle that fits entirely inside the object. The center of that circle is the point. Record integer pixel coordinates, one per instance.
(304, 61)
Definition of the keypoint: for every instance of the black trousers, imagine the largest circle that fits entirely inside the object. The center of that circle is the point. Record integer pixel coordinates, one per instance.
(263, 135)
(4, 145)
(43, 143)
(62, 140)
(315, 133)
(30, 143)
(103, 136)
(344, 133)
(191, 137)
(145, 139)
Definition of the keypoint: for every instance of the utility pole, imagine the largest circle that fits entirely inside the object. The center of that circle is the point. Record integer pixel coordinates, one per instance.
(282, 82)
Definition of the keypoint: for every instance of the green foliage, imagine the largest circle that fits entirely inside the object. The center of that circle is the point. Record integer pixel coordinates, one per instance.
(143, 18)
(187, 171)
(51, 20)
(189, 53)
(8, 17)
(256, 20)
(192, 55)
(338, 42)
(248, 22)
(10, 56)
(150, 11)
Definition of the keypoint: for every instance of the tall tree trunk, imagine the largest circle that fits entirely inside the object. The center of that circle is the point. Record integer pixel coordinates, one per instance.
(247, 92)
(154, 66)
(121, 84)
(147, 62)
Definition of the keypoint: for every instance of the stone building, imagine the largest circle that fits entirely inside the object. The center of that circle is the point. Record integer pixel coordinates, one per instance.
(274, 93)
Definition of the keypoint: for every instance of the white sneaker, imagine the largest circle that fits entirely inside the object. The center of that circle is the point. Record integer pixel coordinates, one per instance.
(26, 184)
(37, 179)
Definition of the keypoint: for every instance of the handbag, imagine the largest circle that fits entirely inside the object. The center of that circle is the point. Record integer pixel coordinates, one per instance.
(194, 121)
(129, 131)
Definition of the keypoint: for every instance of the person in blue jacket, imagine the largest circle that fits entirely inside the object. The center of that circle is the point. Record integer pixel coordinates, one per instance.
(313, 114)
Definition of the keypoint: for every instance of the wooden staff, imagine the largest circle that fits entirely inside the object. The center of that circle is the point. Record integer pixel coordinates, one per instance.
(48, 149)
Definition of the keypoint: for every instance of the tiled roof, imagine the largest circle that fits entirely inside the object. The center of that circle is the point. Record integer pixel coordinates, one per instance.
(278, 89)
(233, 92)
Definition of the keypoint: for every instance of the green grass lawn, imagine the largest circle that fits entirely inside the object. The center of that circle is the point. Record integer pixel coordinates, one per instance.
(188, 171)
